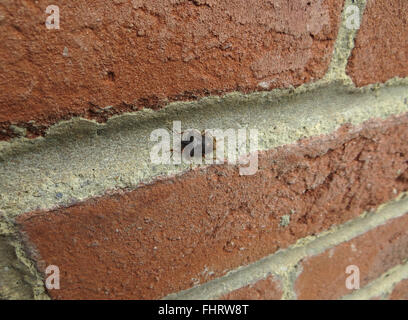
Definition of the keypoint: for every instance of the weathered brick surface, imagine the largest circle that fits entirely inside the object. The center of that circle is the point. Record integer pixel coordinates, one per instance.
(324, 276)
(381, 47)
(170, 235)
(400, 291)
(144, 53)
(266, 289)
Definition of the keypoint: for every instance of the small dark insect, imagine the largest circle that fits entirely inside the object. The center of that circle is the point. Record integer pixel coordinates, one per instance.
(207, 143)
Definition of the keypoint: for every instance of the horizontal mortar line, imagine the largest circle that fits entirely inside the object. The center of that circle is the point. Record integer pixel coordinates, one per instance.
(382, 285)
(60, 170)
(77, 126)
(282, 262)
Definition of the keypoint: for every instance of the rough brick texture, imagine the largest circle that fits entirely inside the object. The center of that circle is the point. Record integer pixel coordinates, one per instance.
(170, 235)
(266, 289)
(381, 47)
(400, 291)
(165, 235)
(324, 276)
(115, 56)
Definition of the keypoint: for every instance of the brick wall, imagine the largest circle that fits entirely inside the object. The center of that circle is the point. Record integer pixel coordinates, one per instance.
(86, 211)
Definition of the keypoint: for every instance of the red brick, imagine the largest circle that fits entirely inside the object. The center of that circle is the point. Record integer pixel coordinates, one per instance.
(381, 47)
(266, 289)
(324, 276)
(167, 236)
(400, 291)
(144, 53)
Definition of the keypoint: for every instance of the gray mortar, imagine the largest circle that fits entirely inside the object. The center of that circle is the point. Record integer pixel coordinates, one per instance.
(62, 169)
(81, 159)
(19, 278)
(12, 283)
(344, 46)
(285, 221)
